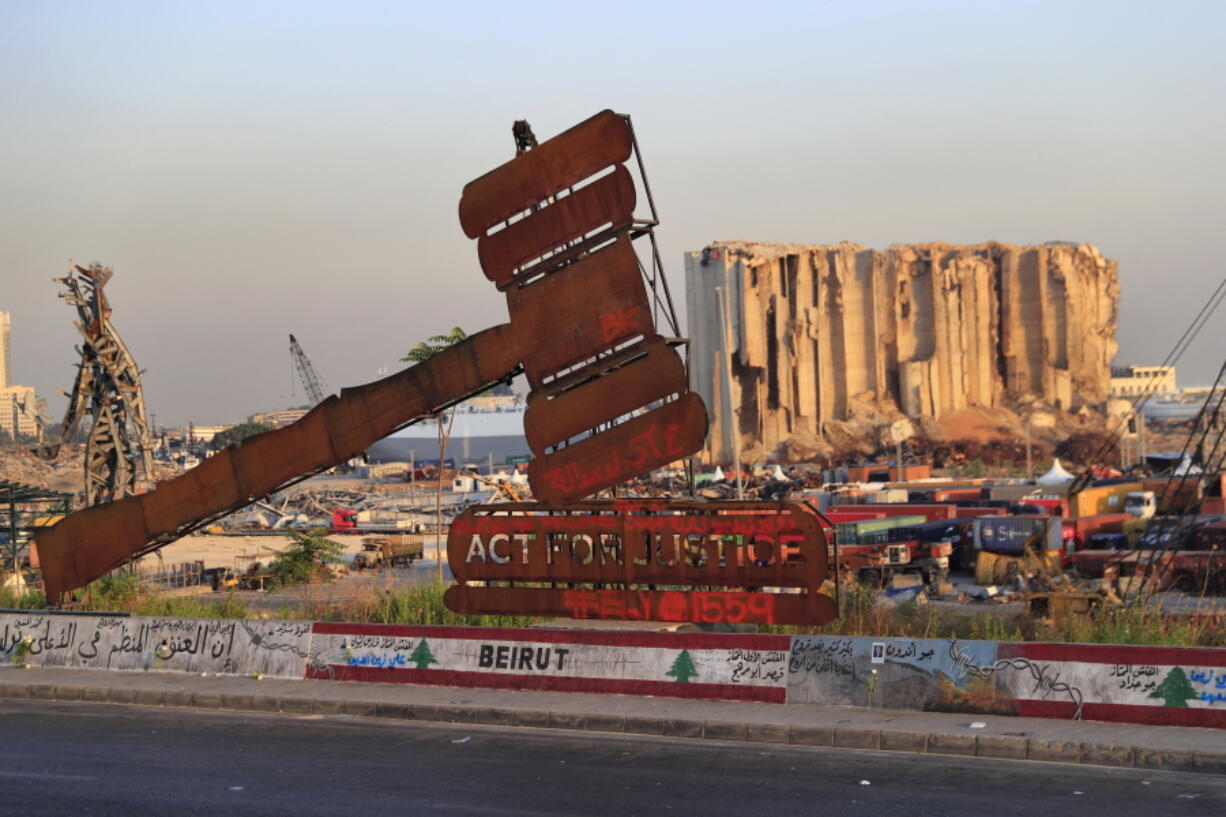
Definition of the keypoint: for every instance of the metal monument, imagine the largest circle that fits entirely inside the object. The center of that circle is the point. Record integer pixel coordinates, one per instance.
(107, 389)
(593, 329)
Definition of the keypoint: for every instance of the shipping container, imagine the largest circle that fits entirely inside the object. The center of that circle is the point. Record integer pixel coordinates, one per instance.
(1174, 496)
(853, 516)
(1010, 534)
(957, 495)
(1081, 528)
(1209, 537)
(1051, 506)
(982, 510)
(1213, 504)
(1101, 499)
(872, 531)
(1010, 493)
(930, 512)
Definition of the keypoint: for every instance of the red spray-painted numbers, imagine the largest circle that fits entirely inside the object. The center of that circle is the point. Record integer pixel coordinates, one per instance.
(645, 605)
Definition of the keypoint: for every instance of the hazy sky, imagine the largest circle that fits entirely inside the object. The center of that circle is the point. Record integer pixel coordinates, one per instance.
(255, 169)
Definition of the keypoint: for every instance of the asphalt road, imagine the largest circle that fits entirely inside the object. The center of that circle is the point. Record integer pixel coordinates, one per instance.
(87, 759)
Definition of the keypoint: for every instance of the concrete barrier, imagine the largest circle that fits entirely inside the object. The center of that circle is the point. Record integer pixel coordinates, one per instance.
(681, 665)
(278, 649)
(1150, 685)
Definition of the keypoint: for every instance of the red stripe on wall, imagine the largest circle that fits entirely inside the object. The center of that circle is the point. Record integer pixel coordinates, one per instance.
(1126, 713)
(606, 638)
(1115, 654)
(493, 680)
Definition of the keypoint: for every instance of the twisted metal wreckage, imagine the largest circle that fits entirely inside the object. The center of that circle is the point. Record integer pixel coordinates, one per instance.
(610, 400)
(108, 390)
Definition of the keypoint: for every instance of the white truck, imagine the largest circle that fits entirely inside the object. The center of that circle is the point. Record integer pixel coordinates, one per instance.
(1141, 504)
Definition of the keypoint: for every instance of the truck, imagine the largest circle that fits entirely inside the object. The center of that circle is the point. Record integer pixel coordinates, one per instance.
(388, 551)
(1141, 504)
(345, 520)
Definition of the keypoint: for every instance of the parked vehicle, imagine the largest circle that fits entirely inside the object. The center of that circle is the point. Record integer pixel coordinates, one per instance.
(1141, 504)
(388, 551)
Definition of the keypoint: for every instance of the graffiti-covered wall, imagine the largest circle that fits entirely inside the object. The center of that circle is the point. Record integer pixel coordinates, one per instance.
(277, 649)
(1155, 685)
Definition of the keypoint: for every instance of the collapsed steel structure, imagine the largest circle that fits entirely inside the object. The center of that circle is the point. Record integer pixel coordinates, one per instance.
(107, 390)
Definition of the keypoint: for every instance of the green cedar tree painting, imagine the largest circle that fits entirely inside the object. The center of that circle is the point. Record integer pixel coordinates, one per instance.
(1175, 690)
(683, 668)
(422, 656)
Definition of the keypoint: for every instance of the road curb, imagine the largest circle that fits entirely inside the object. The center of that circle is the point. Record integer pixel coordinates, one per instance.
(857, 737)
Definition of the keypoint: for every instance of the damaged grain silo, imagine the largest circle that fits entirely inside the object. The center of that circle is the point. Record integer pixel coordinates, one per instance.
(925, 329)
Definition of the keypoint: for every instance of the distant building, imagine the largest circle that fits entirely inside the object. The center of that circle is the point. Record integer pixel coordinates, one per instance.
(18, 404)
(6, 360)
(18, 411)
(1133, 381)
(277, 419)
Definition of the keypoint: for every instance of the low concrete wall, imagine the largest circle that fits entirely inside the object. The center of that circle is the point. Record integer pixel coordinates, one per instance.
(278, 649)
(680, 665)
(1152, 685)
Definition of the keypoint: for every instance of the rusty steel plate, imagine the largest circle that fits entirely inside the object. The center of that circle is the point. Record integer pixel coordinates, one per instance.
(585, 309)
(551, 419)
(85, 545)
(812, 609)
(210, 484)
(262, 461)
(607, 202)
(365, 414)
(639, 445)
(641, 542)
(549, 168)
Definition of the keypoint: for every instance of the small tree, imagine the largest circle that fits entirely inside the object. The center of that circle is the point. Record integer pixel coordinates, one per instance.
(236, 434)
(422, 656)
(306, 558)
(418, 354)
(1175, 689)
(683, 668)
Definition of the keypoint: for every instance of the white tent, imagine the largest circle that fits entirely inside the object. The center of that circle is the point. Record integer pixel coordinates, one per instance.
(1055, 476)
(777, 475)
(718, 476)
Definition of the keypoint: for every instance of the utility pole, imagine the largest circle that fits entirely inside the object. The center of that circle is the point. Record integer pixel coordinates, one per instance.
(1141, 435)
(1029, 460)
(732, 417)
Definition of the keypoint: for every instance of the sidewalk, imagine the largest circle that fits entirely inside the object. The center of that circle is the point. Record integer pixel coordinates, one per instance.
(1102, 744)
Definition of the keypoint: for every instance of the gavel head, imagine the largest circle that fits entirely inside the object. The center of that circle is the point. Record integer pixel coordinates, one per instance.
(609, 397)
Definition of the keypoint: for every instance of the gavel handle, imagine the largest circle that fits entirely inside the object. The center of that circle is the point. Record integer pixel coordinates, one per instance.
(86, 545)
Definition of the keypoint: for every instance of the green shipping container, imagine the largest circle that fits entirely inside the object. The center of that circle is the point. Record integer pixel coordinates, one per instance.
(873, 531)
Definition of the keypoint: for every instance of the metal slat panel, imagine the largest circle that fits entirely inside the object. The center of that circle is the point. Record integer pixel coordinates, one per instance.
(632, 448)
(551, 167)
(589, 307)
(645, 542)
(549, 421)
(608, 200)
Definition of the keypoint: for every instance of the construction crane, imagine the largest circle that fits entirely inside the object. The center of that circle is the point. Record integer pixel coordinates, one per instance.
(306, 372)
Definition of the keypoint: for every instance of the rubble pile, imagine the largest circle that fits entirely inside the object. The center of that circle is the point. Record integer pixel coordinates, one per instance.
(65, 473)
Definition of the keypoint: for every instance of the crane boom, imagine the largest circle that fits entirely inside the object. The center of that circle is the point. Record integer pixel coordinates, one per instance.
(306, 372)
